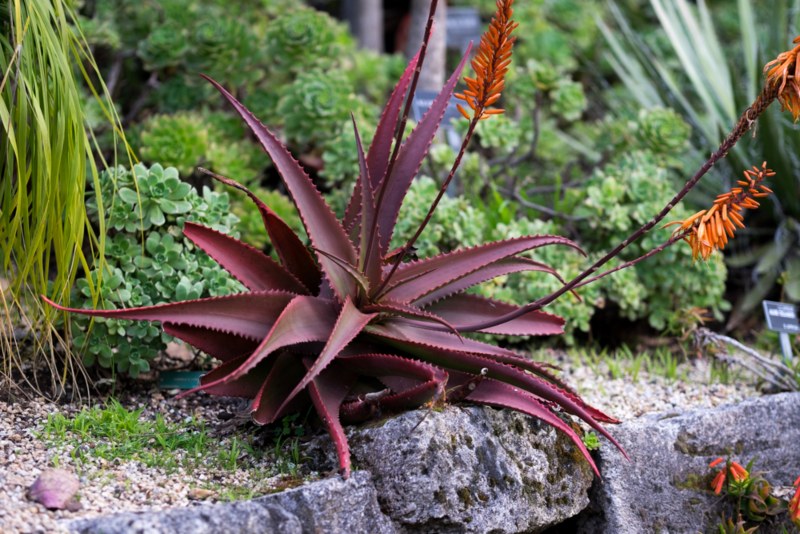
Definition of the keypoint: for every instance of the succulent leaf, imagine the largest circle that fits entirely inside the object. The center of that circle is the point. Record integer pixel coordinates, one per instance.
(221, 345)
(380, 149)
(327, 393)
(412, 152)
(349, 324)
(469, 309)
(249, 315)
(250, 266)
(322, 226)
(291, 250)
(444, 269)
(369, 260)
(302, 320)
(490, 272)
(284, 374)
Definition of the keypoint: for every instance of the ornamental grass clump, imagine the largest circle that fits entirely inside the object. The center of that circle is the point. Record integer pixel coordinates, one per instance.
(347, 324)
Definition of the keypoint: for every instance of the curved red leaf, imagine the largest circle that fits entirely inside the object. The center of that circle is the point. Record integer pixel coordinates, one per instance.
(249, 315)
(291, 250)
(406, 311)
(349, 324)
(410, 335)
(302, 320)
(409, 159)
(245, 387)
(250, 266)
(286, 371)
(321, 224)
(369, 260)
(381, 146)
(499, 394)
(412, 381)
(490, 272)
(221, 345)
(445, 269)
(327, 391)
(461, 310)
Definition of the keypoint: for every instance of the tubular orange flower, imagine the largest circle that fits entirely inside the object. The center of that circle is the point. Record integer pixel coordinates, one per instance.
(716, 462)
(738, 472)
(718, 481)
(784, 72)
(709, 230)
(794, 504)
(490, 65)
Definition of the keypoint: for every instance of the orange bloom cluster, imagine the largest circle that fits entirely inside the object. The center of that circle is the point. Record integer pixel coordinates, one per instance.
(784, 70)
(737, 472)
(490, 65)
(710, 229)
(794, 504)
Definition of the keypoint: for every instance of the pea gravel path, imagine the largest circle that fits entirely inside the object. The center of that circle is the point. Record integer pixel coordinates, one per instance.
(109, 487)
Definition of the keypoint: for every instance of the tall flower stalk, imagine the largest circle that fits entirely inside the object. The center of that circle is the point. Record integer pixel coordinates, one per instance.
(490, 64)
(780, 84)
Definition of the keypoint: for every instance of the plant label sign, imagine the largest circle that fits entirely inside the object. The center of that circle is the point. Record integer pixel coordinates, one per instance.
(463, 25)
(781, 317)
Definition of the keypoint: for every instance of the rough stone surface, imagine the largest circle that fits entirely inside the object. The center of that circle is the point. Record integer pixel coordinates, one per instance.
(472, 469)
(331, 505)
(664, 488)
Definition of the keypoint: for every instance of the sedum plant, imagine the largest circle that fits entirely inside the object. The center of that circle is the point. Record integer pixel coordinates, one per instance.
(147, 261)
(350, 328)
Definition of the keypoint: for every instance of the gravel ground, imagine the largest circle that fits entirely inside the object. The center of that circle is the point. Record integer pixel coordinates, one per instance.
(117, 486)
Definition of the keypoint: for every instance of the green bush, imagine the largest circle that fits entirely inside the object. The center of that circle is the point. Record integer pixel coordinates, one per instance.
(165, 267)
(186, 140)
(622, 197)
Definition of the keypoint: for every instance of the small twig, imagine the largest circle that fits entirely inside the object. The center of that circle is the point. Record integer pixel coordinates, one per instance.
(139, 103)
(782, 375)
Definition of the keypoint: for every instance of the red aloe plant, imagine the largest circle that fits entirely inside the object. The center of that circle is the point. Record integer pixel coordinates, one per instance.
(351, 328)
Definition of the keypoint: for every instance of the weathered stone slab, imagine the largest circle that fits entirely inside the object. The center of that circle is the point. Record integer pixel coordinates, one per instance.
(472, 469)
(331, 505)
(664, 488)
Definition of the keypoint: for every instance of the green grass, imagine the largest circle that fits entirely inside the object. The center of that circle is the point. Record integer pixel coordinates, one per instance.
(113, 432)
(46, 155)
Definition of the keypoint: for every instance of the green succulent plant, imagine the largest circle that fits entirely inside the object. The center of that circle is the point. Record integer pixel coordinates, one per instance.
(162, 268)
(622, 197)
(303, 38)
(323, 98)
(178, 140)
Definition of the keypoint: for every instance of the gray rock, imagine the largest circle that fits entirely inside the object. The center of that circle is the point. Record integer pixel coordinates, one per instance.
(331, 505)
(664, 488)
(235, 518)
(472, 469)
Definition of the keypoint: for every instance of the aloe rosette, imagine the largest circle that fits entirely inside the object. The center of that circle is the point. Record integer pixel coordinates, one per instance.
(338, 325)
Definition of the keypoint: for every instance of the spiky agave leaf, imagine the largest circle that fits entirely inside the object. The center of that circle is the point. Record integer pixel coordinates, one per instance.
(344, 330)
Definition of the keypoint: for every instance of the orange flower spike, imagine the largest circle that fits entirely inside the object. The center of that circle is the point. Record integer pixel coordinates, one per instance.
(718, 461)
(782, 72)
(490, 64)
(710, 230)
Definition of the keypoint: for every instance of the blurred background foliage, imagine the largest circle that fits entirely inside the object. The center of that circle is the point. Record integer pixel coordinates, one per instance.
(610, 107)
